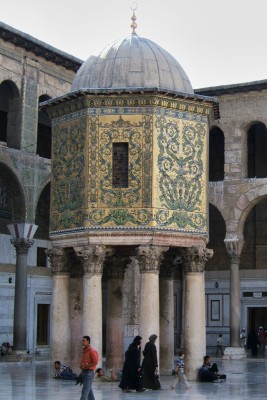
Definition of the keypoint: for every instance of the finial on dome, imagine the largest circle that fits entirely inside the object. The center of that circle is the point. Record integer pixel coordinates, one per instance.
(133, 24)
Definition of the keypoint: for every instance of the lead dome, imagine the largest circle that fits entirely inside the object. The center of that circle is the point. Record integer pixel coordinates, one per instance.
(132, 63)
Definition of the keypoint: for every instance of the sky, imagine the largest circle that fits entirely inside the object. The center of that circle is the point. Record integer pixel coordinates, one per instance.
(217, 42)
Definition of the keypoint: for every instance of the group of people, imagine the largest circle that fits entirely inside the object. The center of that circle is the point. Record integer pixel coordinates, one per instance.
(140, 376)
(136, 375)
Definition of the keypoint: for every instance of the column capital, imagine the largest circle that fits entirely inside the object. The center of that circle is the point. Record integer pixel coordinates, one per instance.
(22, 246)
(234, 248)
(150, 257)
(58, 259)
(93, 258)
(195, 258)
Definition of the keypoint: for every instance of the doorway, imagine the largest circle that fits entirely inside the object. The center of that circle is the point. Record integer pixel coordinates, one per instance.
(257, 316)
(43, 316)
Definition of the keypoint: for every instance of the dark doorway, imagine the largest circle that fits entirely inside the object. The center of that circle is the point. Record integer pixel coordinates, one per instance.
(43, 311)
(257, 316)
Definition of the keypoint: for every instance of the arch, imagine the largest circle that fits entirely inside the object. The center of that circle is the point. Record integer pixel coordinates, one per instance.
(12, 199)
(217, 232)
(42, 214)
(10, 112)
(254, 252)
(216, 154)
(257, 150)
(44, 132)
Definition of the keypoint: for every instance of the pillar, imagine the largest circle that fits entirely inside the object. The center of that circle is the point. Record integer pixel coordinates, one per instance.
(234, 247)
(60, 311)
(115, 327)
(22, 234)
(93, 258)
(149, 258)
(166, 318)
(195, 319)
(22, 247)
(131, 300)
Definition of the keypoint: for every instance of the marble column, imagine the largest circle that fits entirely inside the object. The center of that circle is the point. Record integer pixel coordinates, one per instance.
(195, 318)
(60, 310)
(131, 300)
(149, 258)
(93, 258)
(114, 330)
(166, 317)
(22, 247)
(235, 351)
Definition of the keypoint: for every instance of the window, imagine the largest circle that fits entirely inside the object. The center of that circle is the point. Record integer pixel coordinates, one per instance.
(41, 257)
(120, 165)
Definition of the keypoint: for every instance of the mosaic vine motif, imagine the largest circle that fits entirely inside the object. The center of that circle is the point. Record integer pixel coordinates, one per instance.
(120, 130)
(180, 164)
(67, 173)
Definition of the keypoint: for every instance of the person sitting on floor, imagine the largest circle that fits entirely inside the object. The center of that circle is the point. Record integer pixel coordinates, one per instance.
(63, 371)
(107, 375)
(209, 372)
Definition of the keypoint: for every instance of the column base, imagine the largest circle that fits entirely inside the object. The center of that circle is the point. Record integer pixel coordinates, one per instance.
(234, 353)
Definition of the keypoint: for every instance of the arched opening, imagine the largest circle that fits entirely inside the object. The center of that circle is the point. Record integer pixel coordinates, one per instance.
(12, 204)
(257, 151)
(217, 232)
(9, 115)
(42, 214)
(216, 155)
(254, 254)
(44, 132)
(42, 221)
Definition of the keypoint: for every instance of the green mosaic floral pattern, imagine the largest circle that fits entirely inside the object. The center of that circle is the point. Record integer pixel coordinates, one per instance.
(68, 174)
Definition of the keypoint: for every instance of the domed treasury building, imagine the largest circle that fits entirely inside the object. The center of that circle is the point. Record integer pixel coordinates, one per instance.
(129, 205)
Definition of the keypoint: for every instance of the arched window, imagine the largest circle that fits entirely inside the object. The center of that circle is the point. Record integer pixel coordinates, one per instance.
(216, 155)
(257, 151)
(9, 115)
(44, 132)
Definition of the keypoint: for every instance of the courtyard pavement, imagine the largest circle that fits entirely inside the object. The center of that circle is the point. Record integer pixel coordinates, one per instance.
(246, 379)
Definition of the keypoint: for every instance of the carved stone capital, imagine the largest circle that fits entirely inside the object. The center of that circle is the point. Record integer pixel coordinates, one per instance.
(150, 257)
(22, 246)
(234, 248)
(195, 258)
(92, 258)
(58, 259)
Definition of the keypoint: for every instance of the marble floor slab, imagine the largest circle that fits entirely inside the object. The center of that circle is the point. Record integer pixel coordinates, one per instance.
(246, 379)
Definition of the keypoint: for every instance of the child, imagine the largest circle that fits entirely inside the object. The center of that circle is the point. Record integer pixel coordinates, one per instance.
(219, 348)
(180, 375)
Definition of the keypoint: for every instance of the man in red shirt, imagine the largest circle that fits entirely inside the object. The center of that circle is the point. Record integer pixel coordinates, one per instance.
(88, 365)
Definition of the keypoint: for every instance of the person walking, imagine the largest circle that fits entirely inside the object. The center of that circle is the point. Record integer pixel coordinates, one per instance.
(131, 372)
(219, 348)
(179, 372)
(150, 365)
(243, 338)
(88, 365)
